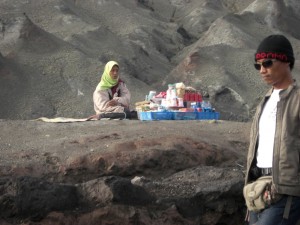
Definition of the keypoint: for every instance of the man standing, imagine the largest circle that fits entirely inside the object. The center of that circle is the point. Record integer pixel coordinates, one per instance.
(274, 148)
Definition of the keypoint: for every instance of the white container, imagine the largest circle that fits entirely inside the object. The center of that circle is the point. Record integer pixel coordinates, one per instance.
(173, 102)
(180, 102)
(164, 102)
(151, 95)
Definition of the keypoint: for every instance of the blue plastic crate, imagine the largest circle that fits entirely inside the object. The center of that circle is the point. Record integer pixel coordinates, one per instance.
(185, 115)
(208, 115)
(155, 115)
(178, 115)
(144, 115)
(162, 115)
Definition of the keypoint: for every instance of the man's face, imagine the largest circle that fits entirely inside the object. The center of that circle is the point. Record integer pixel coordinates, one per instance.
(114, 73)
(274, 72)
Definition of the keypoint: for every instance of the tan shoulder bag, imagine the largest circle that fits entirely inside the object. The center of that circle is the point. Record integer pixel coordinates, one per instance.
(260, 194)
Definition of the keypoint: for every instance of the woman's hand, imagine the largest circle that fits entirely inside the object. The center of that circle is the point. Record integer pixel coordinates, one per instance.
(112, 103)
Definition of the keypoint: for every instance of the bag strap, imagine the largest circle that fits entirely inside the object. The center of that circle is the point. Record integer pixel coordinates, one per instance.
(247, 217)
(287, 207)
(114, 90)
(113, 115)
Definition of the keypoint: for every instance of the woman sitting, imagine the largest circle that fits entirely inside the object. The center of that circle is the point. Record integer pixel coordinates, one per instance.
(112, 97)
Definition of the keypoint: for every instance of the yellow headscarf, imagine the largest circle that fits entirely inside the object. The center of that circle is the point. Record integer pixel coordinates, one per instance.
(106, 81)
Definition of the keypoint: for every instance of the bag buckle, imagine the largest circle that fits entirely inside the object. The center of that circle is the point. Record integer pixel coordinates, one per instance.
(266, 171)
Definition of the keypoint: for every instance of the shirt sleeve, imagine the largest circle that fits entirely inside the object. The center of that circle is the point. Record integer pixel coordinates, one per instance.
(100, 98)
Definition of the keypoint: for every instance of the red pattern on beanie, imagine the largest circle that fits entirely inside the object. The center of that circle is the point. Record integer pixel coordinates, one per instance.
(271, 55)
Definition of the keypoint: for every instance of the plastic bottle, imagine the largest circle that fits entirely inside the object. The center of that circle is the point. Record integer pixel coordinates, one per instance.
(180, 102)
(171, 95)
(209, 109)
(206, 106)
(194, 106)
(168, 95)
(151, 95)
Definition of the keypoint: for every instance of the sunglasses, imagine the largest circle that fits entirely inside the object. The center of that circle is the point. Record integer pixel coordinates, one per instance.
(266, 64)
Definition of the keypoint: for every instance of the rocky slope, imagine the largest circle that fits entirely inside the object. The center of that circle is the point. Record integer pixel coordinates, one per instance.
(53, 55)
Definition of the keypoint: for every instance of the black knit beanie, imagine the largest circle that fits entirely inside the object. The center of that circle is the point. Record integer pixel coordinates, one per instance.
(276, 47)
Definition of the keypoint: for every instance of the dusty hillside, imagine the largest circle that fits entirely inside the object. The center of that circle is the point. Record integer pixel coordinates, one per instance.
(53, 55)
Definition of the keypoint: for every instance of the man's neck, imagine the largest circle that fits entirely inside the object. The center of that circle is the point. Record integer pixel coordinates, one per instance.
(285, 83)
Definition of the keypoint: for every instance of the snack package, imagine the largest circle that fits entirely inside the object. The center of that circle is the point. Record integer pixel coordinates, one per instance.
(180, 90)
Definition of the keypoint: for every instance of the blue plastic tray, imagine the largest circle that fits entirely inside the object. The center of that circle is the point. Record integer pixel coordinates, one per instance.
(155, 115)
(178, 115)
(208, 115)
(185, 115)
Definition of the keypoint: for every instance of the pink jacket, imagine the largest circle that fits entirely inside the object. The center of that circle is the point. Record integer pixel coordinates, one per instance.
(102, 97)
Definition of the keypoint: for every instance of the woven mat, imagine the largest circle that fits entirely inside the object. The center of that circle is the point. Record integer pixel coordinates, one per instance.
(62, 120)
